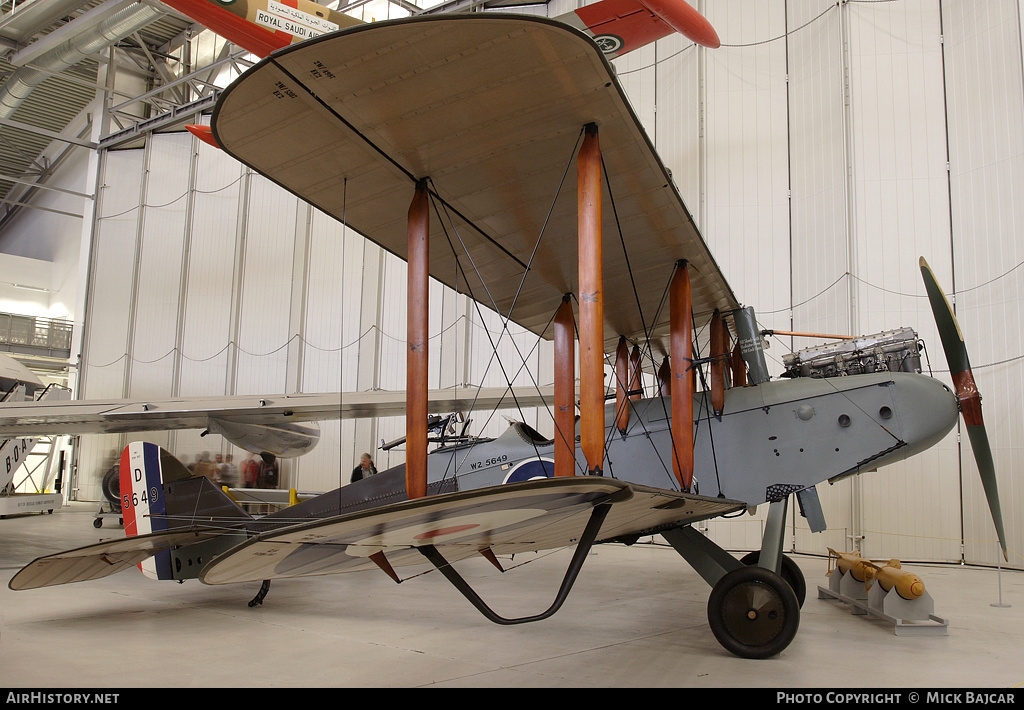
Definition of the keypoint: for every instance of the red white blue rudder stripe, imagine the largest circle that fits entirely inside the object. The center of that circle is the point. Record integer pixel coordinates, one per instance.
(143, 506)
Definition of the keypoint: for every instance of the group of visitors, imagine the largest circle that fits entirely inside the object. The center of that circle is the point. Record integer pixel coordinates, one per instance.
(255, 472)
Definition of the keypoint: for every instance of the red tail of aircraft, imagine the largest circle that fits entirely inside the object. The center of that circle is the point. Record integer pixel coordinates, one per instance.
(263, 26)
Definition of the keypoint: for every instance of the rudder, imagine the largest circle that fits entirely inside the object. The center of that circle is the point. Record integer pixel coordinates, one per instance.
(149, 504)
(143, 505)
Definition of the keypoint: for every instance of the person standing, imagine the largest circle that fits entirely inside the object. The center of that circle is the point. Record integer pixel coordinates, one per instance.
(250, 471)
(364, 469)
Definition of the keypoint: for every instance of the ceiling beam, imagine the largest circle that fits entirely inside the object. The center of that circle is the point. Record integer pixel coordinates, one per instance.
(47, 133)
(8, 178)
(62, 34)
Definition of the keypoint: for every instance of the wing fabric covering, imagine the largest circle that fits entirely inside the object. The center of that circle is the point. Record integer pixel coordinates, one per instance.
(489, 109)
(102, 559)
(534, 515)
(123, 415)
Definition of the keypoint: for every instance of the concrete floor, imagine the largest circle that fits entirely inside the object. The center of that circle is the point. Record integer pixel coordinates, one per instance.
(636, 618)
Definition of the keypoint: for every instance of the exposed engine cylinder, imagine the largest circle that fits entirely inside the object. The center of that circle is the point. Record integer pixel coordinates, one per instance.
(894, 350)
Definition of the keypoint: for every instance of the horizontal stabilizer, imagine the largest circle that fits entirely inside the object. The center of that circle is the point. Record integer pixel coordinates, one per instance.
(102, 559)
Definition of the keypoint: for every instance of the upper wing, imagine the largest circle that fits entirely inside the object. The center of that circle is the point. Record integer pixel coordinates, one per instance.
(490, 109)
(44, 418)
(534, 515)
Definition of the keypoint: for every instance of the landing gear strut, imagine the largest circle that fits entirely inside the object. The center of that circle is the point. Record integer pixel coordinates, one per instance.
(790, 571)
(754, 607)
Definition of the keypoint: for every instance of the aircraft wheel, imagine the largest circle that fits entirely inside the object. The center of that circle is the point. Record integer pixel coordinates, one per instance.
(753, 612)
(791, 572)
(112, 484)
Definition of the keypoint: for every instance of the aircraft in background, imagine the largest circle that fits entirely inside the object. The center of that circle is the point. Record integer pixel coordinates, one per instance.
(281, 424)
(264, 26)
(19, 384)
(451, 150)
(616, 26)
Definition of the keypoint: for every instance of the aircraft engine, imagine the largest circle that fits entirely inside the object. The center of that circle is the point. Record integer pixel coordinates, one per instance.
(282, 440)
(893, 350)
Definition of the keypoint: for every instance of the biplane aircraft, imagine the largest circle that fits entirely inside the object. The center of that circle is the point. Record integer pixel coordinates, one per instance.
(457, 142)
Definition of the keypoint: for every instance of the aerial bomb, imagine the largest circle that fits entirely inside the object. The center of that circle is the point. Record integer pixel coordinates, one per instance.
(853, 564)
(907, 584)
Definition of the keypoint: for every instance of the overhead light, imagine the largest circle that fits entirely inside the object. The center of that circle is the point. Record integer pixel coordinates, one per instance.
(40, 289)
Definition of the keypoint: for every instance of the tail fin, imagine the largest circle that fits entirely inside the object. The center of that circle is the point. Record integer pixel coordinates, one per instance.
(158, 494)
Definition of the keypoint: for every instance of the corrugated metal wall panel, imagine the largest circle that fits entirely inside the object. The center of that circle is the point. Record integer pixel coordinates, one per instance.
(678, 120)
(819, 247)
(747, 221)
(206, 339)
(113, 268)
(818, 169)
(746, 179)
(158, 296)
(263, 332)
(900, 212)
(105, 348)
(986, 142)
(332, 345)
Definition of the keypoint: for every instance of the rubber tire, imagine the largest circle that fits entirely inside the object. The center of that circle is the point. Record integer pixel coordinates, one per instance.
(97, 523)
(758, 591)
(791, 572)
(112, 485)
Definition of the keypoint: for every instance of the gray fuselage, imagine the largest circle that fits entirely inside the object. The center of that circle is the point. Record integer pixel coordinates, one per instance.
(790, 433)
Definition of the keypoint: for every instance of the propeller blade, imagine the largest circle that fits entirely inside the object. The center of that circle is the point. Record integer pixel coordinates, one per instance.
(967, 393)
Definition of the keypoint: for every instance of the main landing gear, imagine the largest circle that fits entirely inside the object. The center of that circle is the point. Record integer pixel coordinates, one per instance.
(753, 612)
(754, 607)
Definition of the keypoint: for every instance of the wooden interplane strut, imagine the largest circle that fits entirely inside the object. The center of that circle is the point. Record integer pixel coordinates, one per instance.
(665, 378)
(634, 374)
(622, 380)
(416, 355)
(591, 277)
(719, 352)
(680, 304)
(565, 390)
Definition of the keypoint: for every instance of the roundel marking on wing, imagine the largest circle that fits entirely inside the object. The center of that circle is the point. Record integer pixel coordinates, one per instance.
(609, 43)
(529, 470)
(421, 533)
(439, 532)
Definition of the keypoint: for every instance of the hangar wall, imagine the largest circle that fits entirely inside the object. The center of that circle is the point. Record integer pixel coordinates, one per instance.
(822, 149)
(208, 279)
